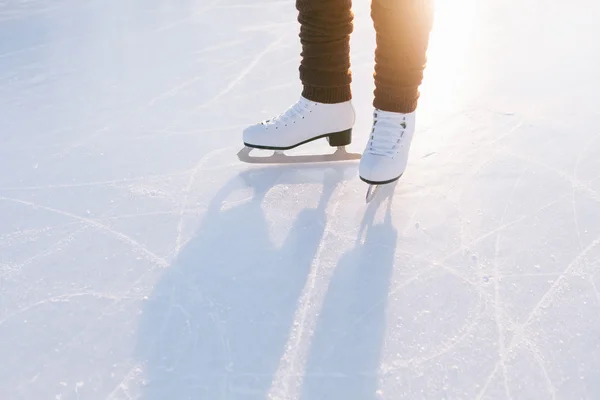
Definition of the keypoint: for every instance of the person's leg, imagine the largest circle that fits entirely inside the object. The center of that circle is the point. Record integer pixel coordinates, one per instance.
(402, 33)
(324, 108)
(325, 28)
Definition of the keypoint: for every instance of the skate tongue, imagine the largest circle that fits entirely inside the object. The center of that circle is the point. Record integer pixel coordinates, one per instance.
(388, 130)
(384, 140)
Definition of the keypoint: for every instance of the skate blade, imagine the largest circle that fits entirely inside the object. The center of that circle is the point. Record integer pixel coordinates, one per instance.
(371, 192)
(279, 157)
(374, 188)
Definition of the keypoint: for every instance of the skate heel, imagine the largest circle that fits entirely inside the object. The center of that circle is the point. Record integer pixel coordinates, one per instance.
(342, 138)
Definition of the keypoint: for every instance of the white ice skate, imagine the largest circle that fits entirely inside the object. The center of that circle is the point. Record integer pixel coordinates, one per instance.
(386, 154)
(301, 123)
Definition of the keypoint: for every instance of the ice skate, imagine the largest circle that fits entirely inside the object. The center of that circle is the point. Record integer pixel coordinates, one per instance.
(386, 154)
(303, 122)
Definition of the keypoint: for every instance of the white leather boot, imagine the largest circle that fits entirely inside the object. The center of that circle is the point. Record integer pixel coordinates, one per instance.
(303, 122)
(386, 154)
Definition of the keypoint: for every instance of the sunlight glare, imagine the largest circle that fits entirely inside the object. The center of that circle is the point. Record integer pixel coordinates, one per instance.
(451, 72)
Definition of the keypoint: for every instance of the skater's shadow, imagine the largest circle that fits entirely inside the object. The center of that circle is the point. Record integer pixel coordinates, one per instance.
(346, 350)
(217, 322)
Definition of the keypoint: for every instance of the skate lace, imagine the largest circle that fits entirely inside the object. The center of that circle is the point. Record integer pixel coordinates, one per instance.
(386, 136)
(290, 114)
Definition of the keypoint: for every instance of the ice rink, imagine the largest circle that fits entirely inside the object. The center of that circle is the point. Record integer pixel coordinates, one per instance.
(140, 259)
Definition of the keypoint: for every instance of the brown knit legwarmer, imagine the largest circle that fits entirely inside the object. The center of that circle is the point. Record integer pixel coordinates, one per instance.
(402, 31)
(325, 28)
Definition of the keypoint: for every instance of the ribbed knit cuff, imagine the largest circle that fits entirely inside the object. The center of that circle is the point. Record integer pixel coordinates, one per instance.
(328, 95)
(311, 5)
(402, 102)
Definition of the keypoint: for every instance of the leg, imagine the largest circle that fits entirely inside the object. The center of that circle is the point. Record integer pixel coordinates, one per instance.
(402, 28)
(402, 31)
(324, 109)
(325, 28)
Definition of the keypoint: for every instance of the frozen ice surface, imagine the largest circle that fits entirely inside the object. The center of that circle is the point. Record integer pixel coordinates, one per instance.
(140, 260)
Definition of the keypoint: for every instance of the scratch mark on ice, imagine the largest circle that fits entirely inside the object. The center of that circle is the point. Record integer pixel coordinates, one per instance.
(184, 204)
(255, 61)
(287, 382)
(122, 237)
(546, 299)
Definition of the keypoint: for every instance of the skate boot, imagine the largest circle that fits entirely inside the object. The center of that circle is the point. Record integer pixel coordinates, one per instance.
(386, 154)
(303, 122)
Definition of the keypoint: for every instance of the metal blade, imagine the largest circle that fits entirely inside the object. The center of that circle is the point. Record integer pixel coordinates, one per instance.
(280, 158)
(371, 192)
